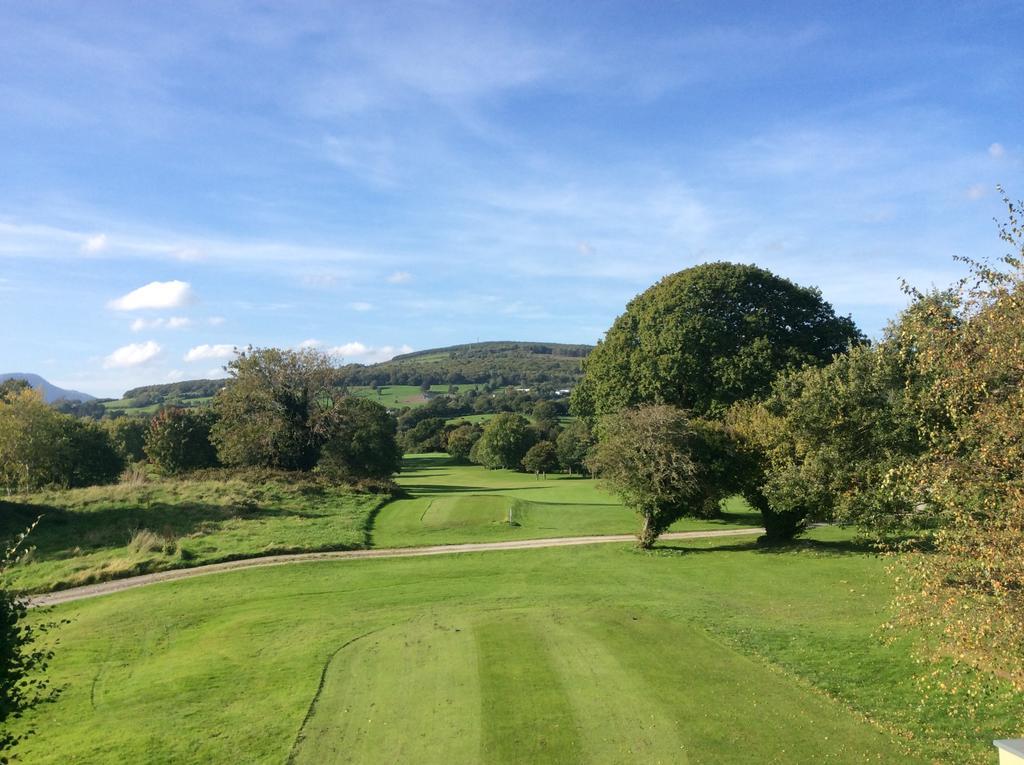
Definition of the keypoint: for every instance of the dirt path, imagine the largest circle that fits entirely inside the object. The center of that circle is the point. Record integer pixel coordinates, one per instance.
(117, 585)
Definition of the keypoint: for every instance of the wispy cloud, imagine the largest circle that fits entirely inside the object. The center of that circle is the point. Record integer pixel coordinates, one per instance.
(173, 322)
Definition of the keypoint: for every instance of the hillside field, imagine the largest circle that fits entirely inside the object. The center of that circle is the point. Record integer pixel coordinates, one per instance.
(397, 396)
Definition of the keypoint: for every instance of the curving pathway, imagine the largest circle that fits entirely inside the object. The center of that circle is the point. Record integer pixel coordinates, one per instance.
(117, 585)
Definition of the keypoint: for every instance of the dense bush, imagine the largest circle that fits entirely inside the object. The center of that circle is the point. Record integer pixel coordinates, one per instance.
(426, 436)
(128, 435)
(541, 458)
(361, 442)
(179, 440)
(23, 662)
(460, 441)
(504, 442)
(41, 447)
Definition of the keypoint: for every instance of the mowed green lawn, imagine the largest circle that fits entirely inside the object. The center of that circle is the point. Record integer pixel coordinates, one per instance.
(466, 503)
(712, 652)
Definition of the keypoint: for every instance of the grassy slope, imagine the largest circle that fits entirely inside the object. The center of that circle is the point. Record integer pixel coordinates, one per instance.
(84, 534)
(453, 503)
(125, 406)
(712, 653)
(403, 395)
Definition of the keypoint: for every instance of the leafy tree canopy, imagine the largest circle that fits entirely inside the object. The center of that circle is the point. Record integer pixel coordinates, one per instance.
(362, 441)
(270, 410)
(179, 440)
(504, 442)
(541, 458)
(573, 445)
(703, 338)
(646, 456)
(461, 440)
(41, 447)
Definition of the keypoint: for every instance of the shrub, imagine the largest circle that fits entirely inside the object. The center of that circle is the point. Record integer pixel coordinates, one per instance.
(179, 440)
(41, 447)
(146, 541)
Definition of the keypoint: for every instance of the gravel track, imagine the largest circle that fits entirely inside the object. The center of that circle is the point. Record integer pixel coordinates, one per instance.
(117, 585)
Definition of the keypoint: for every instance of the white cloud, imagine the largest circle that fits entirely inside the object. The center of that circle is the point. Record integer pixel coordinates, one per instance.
(132, 355)
(310, 343)
(360, 306)
(173, 294)
(400, 277)
(96, 243)
(174, 322)
(215, 321)
(203, 352)
(356, 352)
(997, 151)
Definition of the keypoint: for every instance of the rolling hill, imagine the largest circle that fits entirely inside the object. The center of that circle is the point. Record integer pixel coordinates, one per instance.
(500, 363)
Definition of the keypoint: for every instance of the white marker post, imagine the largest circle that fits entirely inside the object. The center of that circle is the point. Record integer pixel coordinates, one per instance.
(1011, 751)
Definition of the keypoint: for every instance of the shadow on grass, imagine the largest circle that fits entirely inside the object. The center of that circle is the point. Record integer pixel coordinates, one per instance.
(819, 546)
(426, 489)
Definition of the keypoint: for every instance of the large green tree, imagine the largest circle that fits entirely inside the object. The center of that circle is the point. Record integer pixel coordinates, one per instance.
(573, 445)
(460, 441)
(504, 442)
(828, 442)
(271, 410)
(41, 447)
(703, 338)
(541, 458)
(360, 441)
(646, 455)
(967, 591)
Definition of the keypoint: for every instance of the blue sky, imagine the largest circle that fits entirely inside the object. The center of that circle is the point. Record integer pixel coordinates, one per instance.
(179, 178)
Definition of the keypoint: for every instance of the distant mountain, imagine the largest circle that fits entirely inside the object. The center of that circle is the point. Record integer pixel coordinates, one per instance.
(50, 391)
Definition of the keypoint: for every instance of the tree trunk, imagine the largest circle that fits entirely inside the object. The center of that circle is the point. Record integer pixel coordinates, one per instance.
(648, 534)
